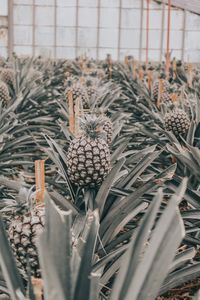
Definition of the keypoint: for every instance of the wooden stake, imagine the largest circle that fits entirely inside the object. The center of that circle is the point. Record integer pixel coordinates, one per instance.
(174, 97)
(141, 73)
(81, 62)
(77, 115)
(149, 80)
(37, 288)
(174, 160)
(168, 39)
(71, 112)
(40, 181)
(134, 70)
(126, 60)
(190, 75)
(147, 32)
(160, 92)
(109, 61)
(174, 68)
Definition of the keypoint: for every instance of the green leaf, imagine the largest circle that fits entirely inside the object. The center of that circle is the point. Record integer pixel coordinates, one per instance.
(146, 276)
(106, 185)
(83, 283)
(180, 277)
(55, 252)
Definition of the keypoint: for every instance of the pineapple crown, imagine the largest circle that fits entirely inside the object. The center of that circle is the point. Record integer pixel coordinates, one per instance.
(23, 202)
(92, 126)
(162, 75)
(71, 80)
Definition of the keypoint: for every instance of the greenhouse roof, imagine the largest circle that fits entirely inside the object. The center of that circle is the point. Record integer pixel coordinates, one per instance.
(191, 5)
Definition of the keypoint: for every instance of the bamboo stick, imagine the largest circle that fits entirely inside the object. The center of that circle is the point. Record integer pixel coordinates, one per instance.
(40, 181)
(71, 112)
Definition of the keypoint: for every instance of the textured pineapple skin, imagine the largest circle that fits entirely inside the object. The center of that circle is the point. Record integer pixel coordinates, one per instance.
(8, 76)
(165, 90)
(23, 233)
(91, 91)
(108, 128)
(88, 161)
(78, 91)
(4, 92)
(177, 121)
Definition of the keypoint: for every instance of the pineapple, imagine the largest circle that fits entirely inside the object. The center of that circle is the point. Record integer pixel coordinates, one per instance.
(2, 61)
(88, 158)
(91, 86)
(23, 231)
(177, 121)
(165, 90)
(108, 128)
(78, 91)
(8, 76)
(4, 92)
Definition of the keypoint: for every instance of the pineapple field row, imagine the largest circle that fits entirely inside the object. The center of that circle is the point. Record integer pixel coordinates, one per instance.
(99, 180)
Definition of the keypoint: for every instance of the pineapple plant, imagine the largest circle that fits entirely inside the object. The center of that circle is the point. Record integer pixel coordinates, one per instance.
(177, 121)
(88, 158)
(108, 128)
(27, 223)
(91, 86)
(67, 268)
(7, 75)
(4, 92)
(77, 90)
(164, 85)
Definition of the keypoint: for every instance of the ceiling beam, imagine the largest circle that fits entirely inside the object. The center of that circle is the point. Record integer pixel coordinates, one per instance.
(192, 5)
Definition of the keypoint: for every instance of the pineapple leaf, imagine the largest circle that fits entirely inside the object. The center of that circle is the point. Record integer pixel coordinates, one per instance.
(54, 248)
(83, 283)
(182, 258)
(181, 276)
(59, 157)
(119, 151)
(106, 186)
(94, 285)
(138, 169)
(161, 248)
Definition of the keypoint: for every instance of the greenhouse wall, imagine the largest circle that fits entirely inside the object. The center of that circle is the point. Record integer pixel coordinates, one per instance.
(69, 28)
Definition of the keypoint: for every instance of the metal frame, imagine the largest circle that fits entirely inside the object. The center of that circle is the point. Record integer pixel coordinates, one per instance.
(162, 31)
(55, 28)
(147, 31)
(10, 28)
(183, 37)
(76, 33)
(119, 30)
(33, 34)
(98, 27)
(141, 30)
(97, 48)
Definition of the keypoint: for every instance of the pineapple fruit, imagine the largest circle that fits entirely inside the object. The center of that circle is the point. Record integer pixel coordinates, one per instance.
(4, 92)
(2, 61)
(108, 128)
(7, 75)
(23, 231)
(77, 90)
(177, 121)
(165, 87)
(91, 86)
(88, 158)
